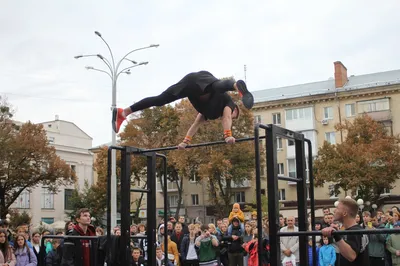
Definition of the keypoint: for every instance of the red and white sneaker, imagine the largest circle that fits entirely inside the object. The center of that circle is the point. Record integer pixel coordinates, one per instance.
(117, 118)
(247, 97)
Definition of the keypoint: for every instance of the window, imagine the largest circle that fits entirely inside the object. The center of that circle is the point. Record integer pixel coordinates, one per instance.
(308, 192)
(240, 196)
(193, 178)
(50, 140)
(328, 112)
(47, 199)
(171, 185)
(300, 113)
(278, 143)
(281, 169)
(292, 167)
(290, 142)
(73, 168)
(350, 110)
(22, 202)
(330, 137)
(282, 194)
(173, 200)
(332, 193)
(276, 119)
(373, 106)
(67, 199)
(257, 119)
(195, 199)
(48, 220)
(386, 191)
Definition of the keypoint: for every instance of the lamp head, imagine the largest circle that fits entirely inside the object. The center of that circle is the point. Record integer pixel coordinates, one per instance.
(97, 33)
(78, 56)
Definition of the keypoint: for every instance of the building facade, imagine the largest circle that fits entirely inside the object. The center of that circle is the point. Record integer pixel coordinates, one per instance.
(72, 145)
(315, 108)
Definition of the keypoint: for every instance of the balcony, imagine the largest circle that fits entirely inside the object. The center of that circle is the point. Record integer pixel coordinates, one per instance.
(244, 184)
(381, 116)
(171, 187)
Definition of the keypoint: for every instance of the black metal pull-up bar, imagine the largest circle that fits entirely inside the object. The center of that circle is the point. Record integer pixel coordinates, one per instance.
(205, 144)
(342, 232)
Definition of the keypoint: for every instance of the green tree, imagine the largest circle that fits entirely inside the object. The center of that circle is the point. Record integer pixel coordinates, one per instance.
(89, 197)
(368, 159)
(26, 160)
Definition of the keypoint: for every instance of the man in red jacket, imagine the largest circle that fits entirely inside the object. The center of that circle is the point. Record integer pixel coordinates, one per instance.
(77, 252)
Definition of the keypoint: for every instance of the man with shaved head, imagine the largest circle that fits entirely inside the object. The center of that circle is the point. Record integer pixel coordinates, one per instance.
(290, 244)
(353, 248)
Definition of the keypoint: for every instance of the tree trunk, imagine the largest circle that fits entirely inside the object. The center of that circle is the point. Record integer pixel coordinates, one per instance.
(160, 178)
(226, 195)
(136, 218)
(3, 209)
(179, 184)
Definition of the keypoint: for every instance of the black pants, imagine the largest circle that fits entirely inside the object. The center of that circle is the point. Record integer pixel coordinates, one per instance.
(181, 90)
(235, 259)
(191, 263)
(376, 261)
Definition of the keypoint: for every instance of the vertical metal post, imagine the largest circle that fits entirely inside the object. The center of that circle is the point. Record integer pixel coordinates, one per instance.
(165, 189)
(109, 195)
(125, 206)
(301, 197)
(312, 200)
(258, 193)
(151, 208)
(273, 197)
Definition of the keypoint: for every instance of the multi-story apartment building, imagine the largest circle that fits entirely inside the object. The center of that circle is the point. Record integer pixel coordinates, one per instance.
(314, 108)
(72, 145)
(195, 199)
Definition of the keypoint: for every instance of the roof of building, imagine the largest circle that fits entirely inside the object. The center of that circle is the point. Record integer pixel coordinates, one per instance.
(64, 121)
(108, 144)
(328, 86)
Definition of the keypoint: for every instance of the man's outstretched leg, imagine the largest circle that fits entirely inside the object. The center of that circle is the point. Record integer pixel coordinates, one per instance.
(119, 115)
(222, 86)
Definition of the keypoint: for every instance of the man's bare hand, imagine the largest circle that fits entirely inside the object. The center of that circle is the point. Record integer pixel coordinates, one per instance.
(230, 140)
(182, 146)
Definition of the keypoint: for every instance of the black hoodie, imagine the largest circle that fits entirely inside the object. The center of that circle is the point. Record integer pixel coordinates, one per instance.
(77, 252)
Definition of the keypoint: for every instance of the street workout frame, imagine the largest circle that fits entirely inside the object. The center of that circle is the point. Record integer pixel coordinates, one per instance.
(271, 133)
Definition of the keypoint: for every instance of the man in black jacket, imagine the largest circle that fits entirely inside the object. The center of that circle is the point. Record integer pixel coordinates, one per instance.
(78, 252)
(235, 250)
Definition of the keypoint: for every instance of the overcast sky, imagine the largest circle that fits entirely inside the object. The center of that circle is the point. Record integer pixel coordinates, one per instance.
(281, 42)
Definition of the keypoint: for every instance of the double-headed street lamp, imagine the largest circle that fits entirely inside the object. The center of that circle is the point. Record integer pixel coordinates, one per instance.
(113, 72)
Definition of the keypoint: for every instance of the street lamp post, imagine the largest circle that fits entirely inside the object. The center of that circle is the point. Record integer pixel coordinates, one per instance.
(113, 72)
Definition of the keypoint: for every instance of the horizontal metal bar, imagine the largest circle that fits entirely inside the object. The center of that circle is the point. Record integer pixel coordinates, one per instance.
(194, 145)
(70, 237)
(140, 190)
(138, 237)
(116, 148)
(342, 232)
(288, 178)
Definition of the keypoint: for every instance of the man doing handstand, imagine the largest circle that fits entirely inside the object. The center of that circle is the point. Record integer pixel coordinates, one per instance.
(207, 94)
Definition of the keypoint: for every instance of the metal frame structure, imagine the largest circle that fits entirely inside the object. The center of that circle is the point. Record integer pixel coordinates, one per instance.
(271, 133)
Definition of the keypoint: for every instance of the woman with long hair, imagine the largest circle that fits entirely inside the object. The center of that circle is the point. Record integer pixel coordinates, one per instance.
(24, 255)
(247, 237)
(7, 256)
(36, 238)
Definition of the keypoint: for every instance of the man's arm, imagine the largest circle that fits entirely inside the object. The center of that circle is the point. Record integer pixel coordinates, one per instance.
(346, 250)
(227, 118)
(227, 125)
(196, 124)
(192, 130)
